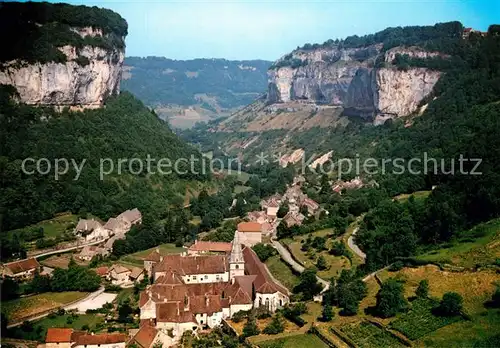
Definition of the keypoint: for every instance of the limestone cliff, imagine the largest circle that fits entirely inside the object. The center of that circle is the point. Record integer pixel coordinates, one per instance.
(89, 75)
(348, 78)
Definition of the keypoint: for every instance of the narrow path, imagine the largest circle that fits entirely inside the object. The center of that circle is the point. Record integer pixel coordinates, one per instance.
(353, 246)
(287, 257)
(67, 249)
(90, 296)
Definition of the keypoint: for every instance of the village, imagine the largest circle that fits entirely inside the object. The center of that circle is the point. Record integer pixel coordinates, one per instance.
(195, 290)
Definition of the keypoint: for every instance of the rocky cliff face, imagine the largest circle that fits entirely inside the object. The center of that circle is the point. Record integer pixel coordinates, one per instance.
(347, 77)
(85, 80)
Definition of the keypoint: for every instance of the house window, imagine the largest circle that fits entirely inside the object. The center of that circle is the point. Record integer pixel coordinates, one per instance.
(217, 277)
(206, 276)
(194, 277)
(237, 266)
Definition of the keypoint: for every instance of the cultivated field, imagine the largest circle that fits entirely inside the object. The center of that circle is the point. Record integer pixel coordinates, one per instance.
(18, 309)
(62, 261)
(420, 321)
(366, 334)
(302, 341)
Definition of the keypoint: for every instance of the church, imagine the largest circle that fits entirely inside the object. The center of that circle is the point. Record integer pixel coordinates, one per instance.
(197, 292)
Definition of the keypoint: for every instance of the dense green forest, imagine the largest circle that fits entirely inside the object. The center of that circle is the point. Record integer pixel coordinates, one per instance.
(123, 129)
(160, 81)
(37, 29)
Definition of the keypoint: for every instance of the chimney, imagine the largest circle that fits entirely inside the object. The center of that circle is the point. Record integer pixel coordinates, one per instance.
(157, 250)
(207, 300)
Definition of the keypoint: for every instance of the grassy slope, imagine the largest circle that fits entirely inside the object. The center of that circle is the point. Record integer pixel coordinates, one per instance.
(23, 307)
(308, 259)
(137, 258)
(282, 272)
(469, 251)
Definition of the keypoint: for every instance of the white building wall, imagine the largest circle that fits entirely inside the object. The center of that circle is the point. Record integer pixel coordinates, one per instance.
(242, 307)
(250, 238)
(272, 211)
(111, 345)
(272, 301)
(206, 278)
(120, 278)
(148, 311)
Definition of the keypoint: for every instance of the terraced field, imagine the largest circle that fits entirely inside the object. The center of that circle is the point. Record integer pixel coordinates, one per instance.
(24, 307)
(365, 334)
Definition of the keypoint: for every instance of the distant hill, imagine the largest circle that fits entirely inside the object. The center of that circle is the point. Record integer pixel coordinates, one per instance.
(194, 90)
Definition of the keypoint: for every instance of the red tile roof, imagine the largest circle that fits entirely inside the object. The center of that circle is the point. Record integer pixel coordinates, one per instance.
(58, 335)
(89, 339)
(22, 265)
(206, 264)
(145, 336)
(173, 312)
(263, 282)
(210, 246)
(102, 271)
(249, 227)
(153, 256)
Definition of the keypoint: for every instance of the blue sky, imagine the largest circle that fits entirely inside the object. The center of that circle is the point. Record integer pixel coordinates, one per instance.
(269, 29)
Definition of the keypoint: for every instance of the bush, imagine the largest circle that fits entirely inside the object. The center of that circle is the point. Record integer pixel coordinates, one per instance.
(264, 251)
(396, 266)
(321, 263)
(327, 313)
(276, 326)
(112, 288)
(423, 289)
(250, 328)
(390, 299)
(239, 316)
(451, 304)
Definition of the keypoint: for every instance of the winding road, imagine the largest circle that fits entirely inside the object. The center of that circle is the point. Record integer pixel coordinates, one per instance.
(287, 257)
(353, 246)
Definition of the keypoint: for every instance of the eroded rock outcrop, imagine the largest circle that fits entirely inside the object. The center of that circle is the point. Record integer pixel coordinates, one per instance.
(348, 78)
(85, 80)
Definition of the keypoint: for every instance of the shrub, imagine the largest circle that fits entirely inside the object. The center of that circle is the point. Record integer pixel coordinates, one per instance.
(250, 328)
(390, 299)
(276, 326)
(451, 304)
(264, 251)
(327, 313)
(321, 263)
(396, 266)
(423, 289)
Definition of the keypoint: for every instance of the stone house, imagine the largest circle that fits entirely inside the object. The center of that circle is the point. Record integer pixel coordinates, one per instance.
(250, 233)
(58, 338)
(22, 269)
(119, 275)
(91, 230)
(89, 251)
(203, 247)
(147, 336)
(68, 338)
(312, 206)
(293, 218)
